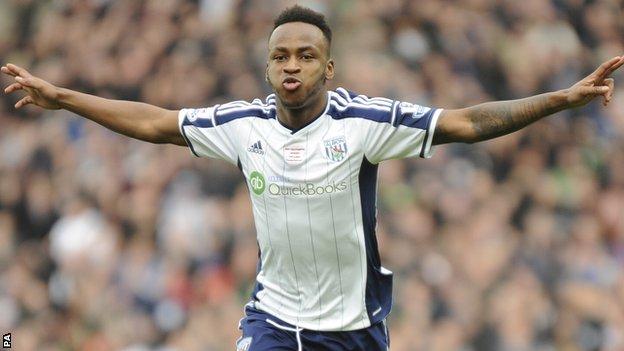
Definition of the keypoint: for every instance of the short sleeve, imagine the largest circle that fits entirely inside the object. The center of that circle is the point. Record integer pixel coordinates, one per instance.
(204, 137)
(406, 132)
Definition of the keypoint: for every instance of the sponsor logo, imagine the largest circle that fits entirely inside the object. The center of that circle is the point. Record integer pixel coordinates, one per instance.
(259, 185)
(336, 148)
(257, 182)
(256, 148)
(307, 189)
(243, 344)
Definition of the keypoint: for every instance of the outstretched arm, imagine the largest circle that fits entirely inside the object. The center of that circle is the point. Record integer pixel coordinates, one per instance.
(493, 119)
(134, 119)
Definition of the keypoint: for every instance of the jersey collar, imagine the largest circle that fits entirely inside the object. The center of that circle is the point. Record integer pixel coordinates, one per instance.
(308, 126)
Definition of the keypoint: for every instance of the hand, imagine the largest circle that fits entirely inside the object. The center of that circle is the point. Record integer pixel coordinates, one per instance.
(596, 84)
(40, 92)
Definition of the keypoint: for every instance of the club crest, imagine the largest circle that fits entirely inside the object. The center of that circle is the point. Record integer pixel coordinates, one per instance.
(336, 148)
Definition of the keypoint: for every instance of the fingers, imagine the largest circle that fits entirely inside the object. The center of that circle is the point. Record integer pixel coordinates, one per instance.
(615, 66)
(24, 101)
(18, 71)
(31, 82)
(592, 91)
(609, 83)
(6, 70)
(13, 87)
(606, 68)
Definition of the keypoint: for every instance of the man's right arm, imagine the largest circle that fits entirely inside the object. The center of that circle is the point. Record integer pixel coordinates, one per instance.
(134, 119)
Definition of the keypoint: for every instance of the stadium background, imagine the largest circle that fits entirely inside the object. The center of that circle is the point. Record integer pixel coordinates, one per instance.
(110, 243)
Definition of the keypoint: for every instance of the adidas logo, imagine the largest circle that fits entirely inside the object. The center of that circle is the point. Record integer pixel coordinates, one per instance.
(256, 148)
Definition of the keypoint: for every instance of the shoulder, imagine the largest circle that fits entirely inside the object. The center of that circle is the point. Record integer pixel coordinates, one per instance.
(234, 110)
(347, 104)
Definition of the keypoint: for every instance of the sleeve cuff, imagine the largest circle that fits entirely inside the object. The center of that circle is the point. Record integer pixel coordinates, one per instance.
(427, 148)
(181, 124)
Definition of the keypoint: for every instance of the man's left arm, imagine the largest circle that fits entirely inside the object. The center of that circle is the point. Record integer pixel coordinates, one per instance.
(493, 119)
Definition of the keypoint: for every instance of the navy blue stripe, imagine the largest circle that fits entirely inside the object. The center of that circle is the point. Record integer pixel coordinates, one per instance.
(344, 93)
(352, 95)
(225, 117)
(378, 286)
(199, 122)
(359, 112)
(422, 122)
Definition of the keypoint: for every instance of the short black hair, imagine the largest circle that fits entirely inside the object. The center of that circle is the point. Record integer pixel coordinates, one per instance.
(303, 14)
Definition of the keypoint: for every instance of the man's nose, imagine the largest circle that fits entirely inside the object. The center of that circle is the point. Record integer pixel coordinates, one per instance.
(292, 66)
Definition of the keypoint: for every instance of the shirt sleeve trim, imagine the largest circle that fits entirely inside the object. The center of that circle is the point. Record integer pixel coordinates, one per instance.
(181, 119)
(427, 148)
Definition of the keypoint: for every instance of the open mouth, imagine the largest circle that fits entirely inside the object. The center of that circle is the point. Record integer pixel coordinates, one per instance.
(291, 83)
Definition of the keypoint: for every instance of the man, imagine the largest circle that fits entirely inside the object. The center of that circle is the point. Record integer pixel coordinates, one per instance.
(310, 157)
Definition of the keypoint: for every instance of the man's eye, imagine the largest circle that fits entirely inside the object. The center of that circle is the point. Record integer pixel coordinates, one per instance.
(307, 57)
(279, 58)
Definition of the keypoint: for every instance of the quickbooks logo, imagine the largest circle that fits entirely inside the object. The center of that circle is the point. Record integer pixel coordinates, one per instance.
(307, 189)
(256, 179)
(259, 185)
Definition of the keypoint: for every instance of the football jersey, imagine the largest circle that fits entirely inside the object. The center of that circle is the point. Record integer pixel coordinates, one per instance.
(313, 193)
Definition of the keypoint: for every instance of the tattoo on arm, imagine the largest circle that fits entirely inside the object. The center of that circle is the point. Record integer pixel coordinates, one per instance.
(493, 119)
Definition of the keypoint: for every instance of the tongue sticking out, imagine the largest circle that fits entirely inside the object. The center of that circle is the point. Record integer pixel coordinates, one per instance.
(291, 86)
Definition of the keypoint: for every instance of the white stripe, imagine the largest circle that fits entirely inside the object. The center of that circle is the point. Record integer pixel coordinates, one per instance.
(345, 92)
(297, 330)
(369, 107)
(213, 112)
(377, 311)
(378, 101)
(229, 107)
(338, 98)
(359, 102)
(394, 109)
(377, 98)
(265, 109)
(387, 336)
(242, 103)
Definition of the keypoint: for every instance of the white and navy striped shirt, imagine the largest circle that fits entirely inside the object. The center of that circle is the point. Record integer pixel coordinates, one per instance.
(314, 199)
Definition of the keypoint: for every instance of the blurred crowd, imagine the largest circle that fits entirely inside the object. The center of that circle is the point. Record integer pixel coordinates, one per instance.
(108, 243)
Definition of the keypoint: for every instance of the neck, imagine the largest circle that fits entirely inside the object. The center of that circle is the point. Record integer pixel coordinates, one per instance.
(295, 118)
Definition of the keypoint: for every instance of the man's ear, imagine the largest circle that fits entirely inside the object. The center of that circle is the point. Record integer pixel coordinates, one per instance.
(329, 70)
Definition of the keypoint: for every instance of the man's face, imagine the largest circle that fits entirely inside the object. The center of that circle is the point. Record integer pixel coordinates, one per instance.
(298, 63)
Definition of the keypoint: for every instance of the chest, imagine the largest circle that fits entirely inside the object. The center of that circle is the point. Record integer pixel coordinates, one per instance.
(318, 159)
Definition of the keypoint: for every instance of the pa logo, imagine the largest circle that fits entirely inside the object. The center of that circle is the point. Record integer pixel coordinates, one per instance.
(6, 341)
